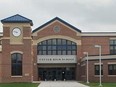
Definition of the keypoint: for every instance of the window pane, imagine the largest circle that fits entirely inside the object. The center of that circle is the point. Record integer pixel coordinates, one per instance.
(73, 47)
(59, 41)
(59, 47)
(40, 47)
(49, 47)
(63, 52)
(97, 69)
(44, 47)
(114, 67)
(44, 53)
(17, 65)
(44, 43)
(64, 42)
(14, 59)
(53, 47)
(49, 42)
(59, 52)
(68, 52)
(73, 52)
(54, 52)
(115, 42)
(69, 47)
(49, 52)
(69, 42)
(63, 47)
(40, 52)
(54, 41)
(111, 42)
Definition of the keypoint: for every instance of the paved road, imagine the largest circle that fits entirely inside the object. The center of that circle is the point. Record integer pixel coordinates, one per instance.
(60, 84)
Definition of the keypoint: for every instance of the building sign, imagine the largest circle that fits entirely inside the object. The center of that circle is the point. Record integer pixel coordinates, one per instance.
(43, 59)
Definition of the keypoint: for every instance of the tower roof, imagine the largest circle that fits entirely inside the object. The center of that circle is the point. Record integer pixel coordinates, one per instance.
(17, 19)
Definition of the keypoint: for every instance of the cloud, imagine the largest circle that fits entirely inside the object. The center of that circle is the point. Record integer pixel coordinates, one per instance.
(83, 14)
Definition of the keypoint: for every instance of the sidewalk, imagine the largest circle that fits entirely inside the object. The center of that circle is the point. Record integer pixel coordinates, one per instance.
(61, 84)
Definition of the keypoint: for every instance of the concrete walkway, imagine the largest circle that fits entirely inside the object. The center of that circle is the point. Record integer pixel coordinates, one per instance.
(61, 84)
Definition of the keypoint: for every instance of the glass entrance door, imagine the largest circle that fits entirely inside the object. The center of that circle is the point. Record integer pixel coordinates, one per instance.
(56, 73)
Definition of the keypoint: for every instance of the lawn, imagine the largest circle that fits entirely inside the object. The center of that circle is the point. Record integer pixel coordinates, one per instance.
(19, 84)
(103, 84)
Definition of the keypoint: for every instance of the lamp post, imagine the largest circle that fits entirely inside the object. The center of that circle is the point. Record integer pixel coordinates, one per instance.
(86, 53)
(99, 46)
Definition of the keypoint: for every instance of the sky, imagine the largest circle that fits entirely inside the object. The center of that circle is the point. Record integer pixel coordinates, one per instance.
(86, 15)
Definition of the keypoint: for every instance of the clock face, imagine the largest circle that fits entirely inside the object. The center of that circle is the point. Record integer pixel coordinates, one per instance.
(16, 32)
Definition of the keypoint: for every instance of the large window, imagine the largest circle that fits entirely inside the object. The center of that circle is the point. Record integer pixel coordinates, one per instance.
(113, 47)
(112, 69)
(97, 69)
(16, 64)
(57, 47)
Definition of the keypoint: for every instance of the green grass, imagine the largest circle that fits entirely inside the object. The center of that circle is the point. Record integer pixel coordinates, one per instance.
(19, 84)
(103, 84)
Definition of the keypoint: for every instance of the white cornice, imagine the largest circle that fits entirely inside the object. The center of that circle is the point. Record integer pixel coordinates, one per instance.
(98, 34)
(102, 57)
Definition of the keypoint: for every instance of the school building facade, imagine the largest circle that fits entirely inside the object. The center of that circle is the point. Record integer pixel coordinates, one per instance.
(54, 51)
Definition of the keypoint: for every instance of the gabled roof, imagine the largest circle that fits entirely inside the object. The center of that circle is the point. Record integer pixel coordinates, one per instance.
(17, 19)
(56, 18)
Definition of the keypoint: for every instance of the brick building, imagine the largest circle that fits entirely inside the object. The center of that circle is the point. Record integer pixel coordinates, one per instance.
(53, 51)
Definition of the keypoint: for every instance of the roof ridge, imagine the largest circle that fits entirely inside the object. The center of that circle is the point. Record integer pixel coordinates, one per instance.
(59, 19)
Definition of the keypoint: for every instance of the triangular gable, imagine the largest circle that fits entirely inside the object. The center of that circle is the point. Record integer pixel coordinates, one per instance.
(56, 18)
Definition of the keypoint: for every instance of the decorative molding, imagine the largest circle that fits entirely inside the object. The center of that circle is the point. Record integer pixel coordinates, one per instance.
(78, 42)
(17, 76)
(111, 62)
(16, 52)
(102, 57)
(98, 63)
(98, 34)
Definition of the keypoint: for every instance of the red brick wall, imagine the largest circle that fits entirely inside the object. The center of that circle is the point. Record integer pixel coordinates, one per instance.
(105, 77)
(7, 48)
(47, 31)
(88, 44)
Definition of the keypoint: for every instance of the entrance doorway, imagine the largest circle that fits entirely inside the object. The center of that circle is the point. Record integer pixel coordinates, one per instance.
(56, 73)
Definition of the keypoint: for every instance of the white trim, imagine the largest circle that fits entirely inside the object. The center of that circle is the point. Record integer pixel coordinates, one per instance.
(112, 38)
(98, 34)
(16, 52)
(16, 76)
(102, 57)
(98, 75)
(111, 75)
(111, 63)
(98, 63)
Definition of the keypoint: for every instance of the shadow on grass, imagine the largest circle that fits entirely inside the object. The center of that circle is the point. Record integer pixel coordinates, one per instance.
(19, 84)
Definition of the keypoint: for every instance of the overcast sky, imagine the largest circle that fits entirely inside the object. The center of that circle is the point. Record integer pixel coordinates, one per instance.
(87, 15)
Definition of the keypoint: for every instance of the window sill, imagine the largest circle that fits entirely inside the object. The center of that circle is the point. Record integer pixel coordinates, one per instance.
(98, 75)
(17, 76)
(111, 75)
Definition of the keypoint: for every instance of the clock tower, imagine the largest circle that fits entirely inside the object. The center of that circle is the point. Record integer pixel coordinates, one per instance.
(16, 49)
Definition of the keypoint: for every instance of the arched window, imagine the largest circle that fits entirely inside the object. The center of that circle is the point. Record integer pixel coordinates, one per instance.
(57, 47)
(16, 64)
